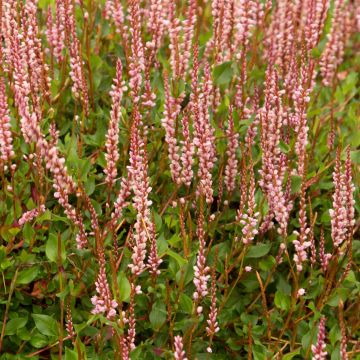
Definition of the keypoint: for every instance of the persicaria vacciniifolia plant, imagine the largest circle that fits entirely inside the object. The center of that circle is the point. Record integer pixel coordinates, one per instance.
(179, 179)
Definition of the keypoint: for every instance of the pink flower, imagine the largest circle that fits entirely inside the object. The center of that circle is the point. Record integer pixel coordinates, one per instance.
(137, 59)
(272, 118)
(171, 112)
(31, 214)
(179, 353)
(77, 73)
(232, 162)
(201, 271)
(187, 155)
(338, 213)
(6, 147)
(103, 302)
(204, 139)
(318, 350)
(112, 137)
(339, 33)
(139, 180)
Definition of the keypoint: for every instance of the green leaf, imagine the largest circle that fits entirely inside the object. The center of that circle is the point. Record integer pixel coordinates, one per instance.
(124, 286)
(295, 184)
(46, 324)
(223, 73)
(27, 276)
(70, 354)
(14, 324)
(186, 303)
(28, 232)
(282, 301)
(291, 355)
(51, 249)
(257, 251)
(284, 147)
(181, 261)
(158, 315)
(38, 340)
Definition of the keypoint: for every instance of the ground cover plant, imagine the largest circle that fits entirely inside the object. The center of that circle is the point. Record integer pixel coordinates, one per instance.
(179, 179)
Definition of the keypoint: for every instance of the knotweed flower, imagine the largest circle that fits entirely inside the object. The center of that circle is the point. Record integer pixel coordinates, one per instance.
(212, 325)
(103, 301)
(131, 333)
(187, 155)
(337, 38)
(179, 353)
(31, 214)
(171, 112)
(300, 243)
(138, 173)
(137, 59)
(232, 146)
(112, 137)
(77, 73)
(69, 323)
(318, 350)
(201, 275)
(274, 163)
(204, 138)
(6, 147)
(338, 213)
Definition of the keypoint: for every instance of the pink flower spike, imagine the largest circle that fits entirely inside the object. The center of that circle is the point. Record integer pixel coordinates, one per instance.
(179, 353)
(103, 301)
(112, 137)
(6, 147)
(318, 350)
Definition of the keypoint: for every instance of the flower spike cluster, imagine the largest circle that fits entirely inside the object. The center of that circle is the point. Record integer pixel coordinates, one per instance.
(318, 350)
(179, 353)
(112, 137)
(138, 172)
(6, 147)
(201, 270)
(342, 213)
(103, 301)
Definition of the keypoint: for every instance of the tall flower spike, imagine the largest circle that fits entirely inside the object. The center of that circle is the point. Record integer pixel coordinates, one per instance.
(137, 59)
(171, 112)
(300, 243)
(318, 350)
(131, 320)
(6, 147)
(69, 323)
(204, 138)
(138, 172)
(232, 146)
(31, 214)
(179, 353)
(249, 219)
(187, 154)
(273, 161)
(212, 325)
(334, 50)
(77, 73)
(349, 189)
(338, 212)
(201, 275)
(103, 301)
(59, 30)
(112, 137)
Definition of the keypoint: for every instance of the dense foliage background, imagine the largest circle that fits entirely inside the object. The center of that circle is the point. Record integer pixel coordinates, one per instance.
(203, 143)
